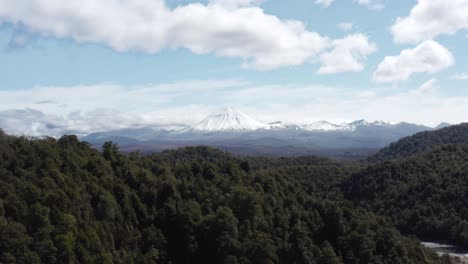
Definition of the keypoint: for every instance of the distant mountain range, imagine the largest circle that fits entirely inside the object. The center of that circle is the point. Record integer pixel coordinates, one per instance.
(235, 131)
(232, 120)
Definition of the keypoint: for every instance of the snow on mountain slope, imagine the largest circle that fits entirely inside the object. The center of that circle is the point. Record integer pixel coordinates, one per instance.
(229, 120)
(278, 125)
(363, 123)
(366, 123)
(232, 120)
(322, 126)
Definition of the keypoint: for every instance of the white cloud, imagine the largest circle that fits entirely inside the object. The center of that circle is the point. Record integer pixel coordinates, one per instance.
(325, 3)
(372, 4)
(107, 106)
(431, 18)
(225, 28)
(128, 99)
(83, 109)
(33, 122)
(428, 57)
(460, 76)
(347, 54)
(345, 26)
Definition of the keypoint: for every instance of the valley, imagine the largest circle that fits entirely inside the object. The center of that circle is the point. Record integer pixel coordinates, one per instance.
(233, 132)
(180, 204)
(456, 256)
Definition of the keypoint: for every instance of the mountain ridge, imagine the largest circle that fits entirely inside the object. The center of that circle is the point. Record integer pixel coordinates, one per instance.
(237, 132)
(423, 141)
(232, 120)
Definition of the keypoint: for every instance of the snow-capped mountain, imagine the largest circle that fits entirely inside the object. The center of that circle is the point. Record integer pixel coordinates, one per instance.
(233, 129)
(278, 125)
(363, 123)
(232, 120)
(323, 126)
(229, 120)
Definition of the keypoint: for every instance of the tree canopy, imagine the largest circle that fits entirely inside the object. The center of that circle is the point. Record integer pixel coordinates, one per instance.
(62, 201)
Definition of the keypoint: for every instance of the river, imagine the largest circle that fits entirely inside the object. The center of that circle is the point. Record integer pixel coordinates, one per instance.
(456, 255)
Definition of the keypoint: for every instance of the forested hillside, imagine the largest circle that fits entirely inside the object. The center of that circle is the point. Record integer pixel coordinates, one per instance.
(423, 141)
(425, 194)
(62, 201)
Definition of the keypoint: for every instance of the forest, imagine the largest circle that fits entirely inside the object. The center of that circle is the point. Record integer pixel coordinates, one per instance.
(425, 194)
(62, 201)
(423, 141)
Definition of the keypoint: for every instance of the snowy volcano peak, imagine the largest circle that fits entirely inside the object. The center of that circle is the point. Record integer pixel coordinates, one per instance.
(228, 120)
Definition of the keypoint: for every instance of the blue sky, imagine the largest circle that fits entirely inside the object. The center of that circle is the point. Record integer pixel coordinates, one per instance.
(109, 64)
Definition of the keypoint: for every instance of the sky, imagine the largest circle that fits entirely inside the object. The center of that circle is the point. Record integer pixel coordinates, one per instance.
(87, 66)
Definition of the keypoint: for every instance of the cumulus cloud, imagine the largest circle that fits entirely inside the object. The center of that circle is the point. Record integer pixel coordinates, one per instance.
(460, 76)
(347, 54)
(428, 57)
(225, 28)
(325, 3)
(431, 18)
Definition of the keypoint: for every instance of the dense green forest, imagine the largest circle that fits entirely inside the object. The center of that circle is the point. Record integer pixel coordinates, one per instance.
(423, 141)
(62, 201)
(425, 194)
(420, 183)
(319, 176)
